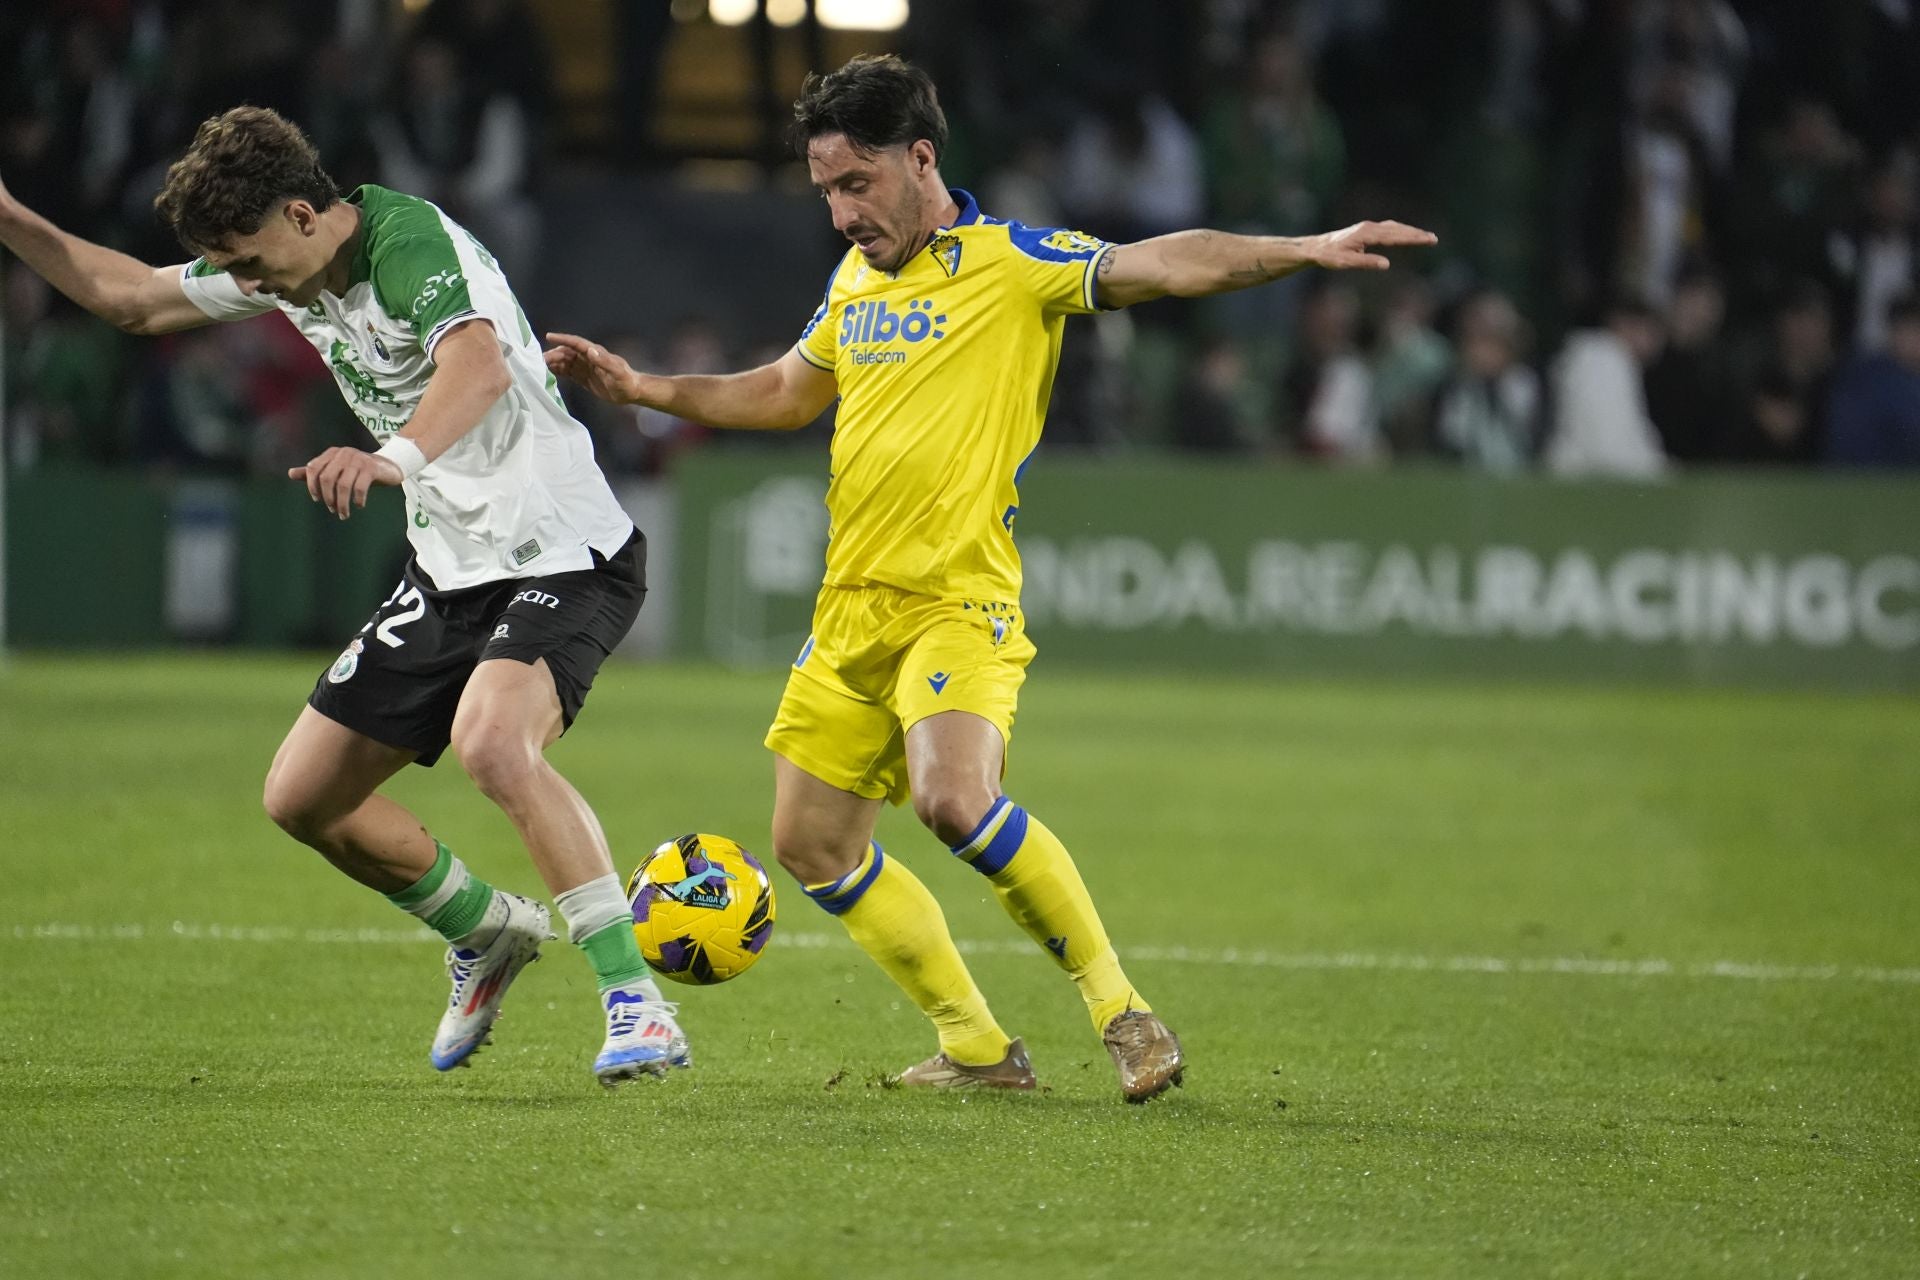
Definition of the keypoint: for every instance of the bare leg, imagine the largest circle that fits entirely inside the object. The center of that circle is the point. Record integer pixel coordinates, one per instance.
(508, 717)
(953, 764)
(819, 831)
(320, 791)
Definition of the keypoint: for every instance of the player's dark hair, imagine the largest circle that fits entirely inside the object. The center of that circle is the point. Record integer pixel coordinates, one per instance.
(878, 101)
(243, 165)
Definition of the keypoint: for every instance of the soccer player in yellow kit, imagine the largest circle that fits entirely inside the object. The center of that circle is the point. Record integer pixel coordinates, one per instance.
(940, 333)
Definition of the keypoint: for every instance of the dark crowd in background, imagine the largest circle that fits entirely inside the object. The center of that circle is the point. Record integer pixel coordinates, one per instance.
(1673, 232)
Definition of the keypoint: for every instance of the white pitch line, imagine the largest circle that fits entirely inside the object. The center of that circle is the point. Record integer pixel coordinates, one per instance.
(1582, 966)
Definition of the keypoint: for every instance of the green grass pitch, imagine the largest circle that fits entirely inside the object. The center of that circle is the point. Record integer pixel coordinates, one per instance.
(1475, 982)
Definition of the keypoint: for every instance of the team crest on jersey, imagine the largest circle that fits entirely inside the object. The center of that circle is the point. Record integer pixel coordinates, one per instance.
(379, 347)
(946, 252)
(358, 381)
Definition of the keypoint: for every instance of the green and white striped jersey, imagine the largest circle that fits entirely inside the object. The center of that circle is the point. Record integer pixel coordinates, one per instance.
(518, 496)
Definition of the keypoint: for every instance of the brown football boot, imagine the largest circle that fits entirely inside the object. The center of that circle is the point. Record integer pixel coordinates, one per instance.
(941, 1072)
(1146, 1053)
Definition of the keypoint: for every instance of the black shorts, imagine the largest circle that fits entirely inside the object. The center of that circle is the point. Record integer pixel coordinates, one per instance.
(400, 680)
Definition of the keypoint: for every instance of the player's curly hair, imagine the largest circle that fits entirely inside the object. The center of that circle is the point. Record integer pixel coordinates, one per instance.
(242, 165)
(877, 100)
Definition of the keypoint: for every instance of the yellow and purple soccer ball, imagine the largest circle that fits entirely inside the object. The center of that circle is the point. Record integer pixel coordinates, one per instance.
(702, 909)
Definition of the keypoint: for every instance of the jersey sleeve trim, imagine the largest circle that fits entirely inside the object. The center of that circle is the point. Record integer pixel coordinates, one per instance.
(826, 303)
(215, 294)
(446, 326)
(817, 333)
(1092, 280)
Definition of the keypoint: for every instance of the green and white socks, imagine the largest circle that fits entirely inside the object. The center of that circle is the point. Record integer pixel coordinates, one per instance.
(600, 922)
(449, 898)
(453, 902)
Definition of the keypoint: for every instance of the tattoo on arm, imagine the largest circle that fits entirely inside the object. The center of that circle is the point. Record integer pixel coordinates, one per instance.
(1258, 273)
(1105, 266)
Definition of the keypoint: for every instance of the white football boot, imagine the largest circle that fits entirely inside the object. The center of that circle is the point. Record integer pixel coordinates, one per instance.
(642, 1037)
(506, 941)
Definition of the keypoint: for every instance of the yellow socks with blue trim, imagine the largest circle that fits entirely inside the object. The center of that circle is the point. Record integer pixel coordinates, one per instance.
(1034, 877)
(895, 920)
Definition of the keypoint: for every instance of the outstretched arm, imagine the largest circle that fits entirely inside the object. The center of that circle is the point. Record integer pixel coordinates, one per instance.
(123, 291)
(781, 396)
(1193, 264)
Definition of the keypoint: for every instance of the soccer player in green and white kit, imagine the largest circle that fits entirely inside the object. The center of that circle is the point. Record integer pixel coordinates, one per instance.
(525, 571)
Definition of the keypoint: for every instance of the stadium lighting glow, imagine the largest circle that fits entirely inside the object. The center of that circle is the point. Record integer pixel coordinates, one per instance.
(862, 15)
(839, 15)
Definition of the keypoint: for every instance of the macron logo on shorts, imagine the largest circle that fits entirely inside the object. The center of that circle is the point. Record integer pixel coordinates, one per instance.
(939, 682)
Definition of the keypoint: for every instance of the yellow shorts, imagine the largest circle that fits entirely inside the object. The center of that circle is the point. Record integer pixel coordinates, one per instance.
(879, 661)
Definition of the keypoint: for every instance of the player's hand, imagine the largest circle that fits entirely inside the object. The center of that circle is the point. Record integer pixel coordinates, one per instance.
(341, 477)
(1347, 249)
(593, 367)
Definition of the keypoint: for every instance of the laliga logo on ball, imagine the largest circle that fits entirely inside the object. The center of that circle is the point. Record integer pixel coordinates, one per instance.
(702, 909)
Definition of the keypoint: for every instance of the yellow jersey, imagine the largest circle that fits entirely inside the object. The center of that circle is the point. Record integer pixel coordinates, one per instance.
(944, 370)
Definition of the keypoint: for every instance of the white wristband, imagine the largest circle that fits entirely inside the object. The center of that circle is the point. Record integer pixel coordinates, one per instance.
(404, 454)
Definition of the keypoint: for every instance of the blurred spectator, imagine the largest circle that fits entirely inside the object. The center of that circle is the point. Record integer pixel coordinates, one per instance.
(1668, 183)
(1131, 169)
(192, 402)
(1565, 148)
(1600, 422)
(1690, 386)
(1326, 398)
(101, 108)
(466, 144)
(1021, 190)
(347, 65)
(1410, 362)
(1874, 416)
(1800, 186)
(1489, 413)
(244, 51)
(63, 378)
(1879, 259)
(1708, 40)
(498, 43)
(1275, 159)
(69, 122)
(1213, 415)
(1781, 416)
